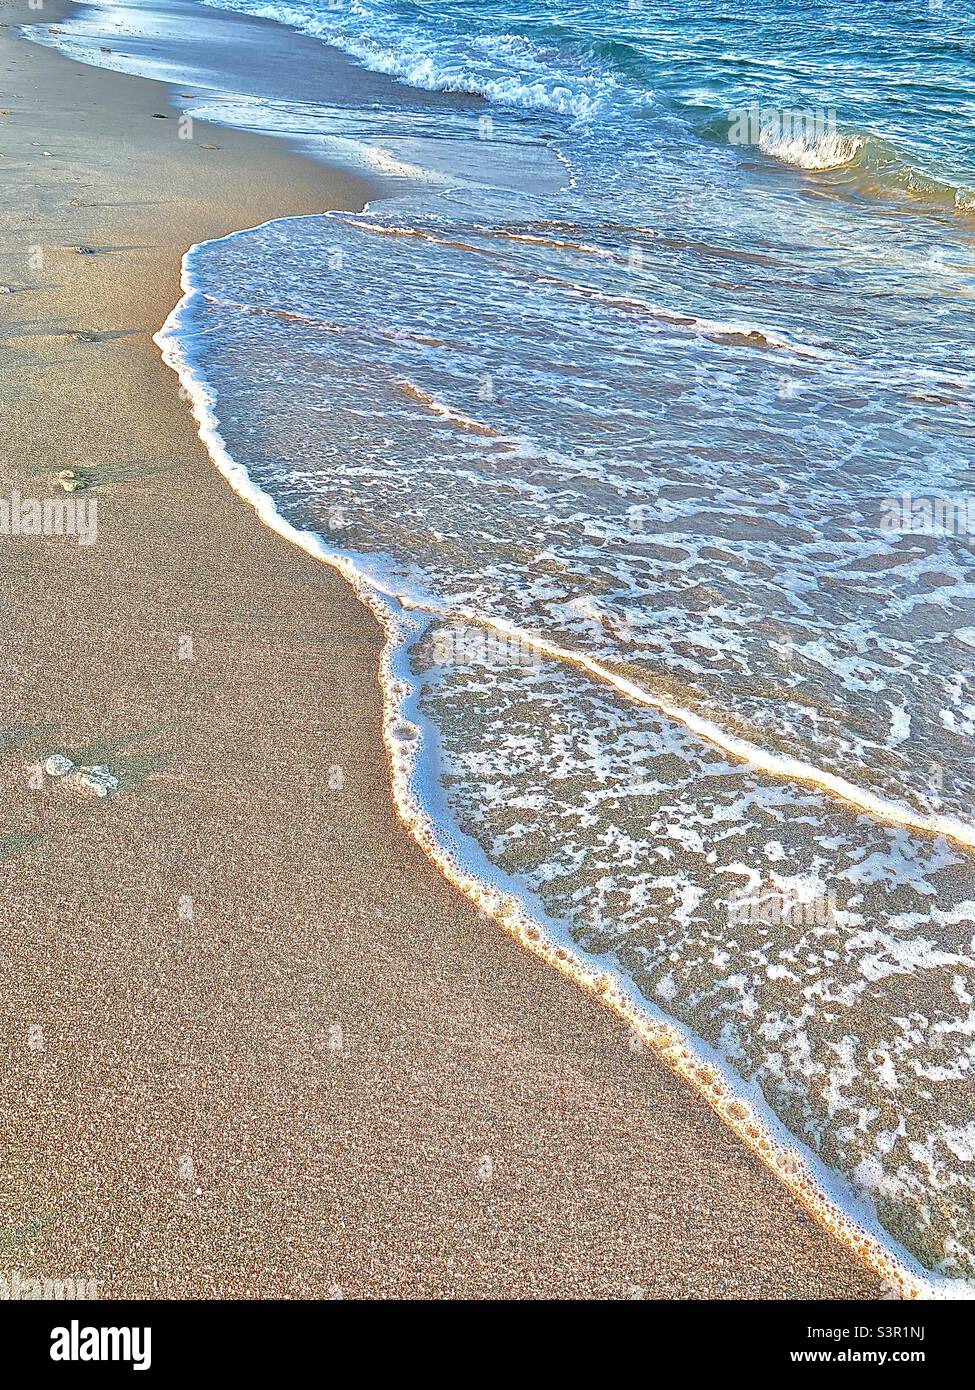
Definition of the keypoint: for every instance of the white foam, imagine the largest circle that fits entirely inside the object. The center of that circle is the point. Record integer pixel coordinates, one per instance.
(404, 52)
(825, 150)
(777, 764)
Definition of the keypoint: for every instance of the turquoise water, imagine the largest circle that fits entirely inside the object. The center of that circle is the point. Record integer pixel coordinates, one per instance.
(626, 391)
(898, 76)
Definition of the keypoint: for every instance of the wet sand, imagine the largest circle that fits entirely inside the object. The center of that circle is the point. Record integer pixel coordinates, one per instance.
(256, 1046)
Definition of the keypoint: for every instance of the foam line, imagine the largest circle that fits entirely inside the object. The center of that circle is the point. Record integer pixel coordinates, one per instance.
(778, 765)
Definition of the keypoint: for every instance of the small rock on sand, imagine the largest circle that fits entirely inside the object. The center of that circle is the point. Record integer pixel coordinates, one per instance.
(94, 781)
(58, 765)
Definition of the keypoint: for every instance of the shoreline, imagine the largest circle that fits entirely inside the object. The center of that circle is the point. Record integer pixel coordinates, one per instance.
(451, 984)
(406, 732)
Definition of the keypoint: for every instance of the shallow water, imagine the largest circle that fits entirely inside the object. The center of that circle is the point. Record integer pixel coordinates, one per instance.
(630, 408)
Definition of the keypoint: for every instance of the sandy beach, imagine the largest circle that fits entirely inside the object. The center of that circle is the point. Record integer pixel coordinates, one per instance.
(256, 1046)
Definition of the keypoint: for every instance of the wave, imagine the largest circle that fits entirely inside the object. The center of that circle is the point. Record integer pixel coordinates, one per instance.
(823, 151)
(807, 137)
(409, 745)
(432, 65)
(876, 166)
(588, 80)
(578, 96)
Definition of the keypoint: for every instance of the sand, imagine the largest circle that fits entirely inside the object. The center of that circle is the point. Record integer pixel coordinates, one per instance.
(256, 1046)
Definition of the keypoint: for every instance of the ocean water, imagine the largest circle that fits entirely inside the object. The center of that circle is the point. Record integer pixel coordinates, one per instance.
(647, 396)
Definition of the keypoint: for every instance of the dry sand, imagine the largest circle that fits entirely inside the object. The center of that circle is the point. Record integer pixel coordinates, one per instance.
(333, 1075)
